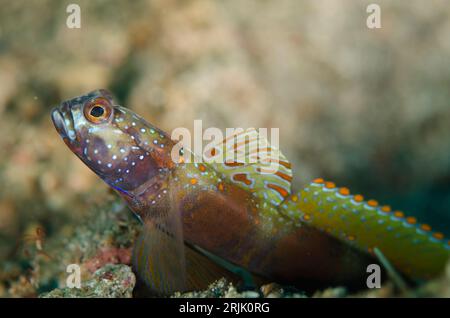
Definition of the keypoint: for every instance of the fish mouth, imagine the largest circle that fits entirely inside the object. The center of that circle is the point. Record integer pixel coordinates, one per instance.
(58, 122)
(63, 122)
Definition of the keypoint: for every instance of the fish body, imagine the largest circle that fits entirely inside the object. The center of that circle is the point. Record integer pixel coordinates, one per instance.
(232, 210)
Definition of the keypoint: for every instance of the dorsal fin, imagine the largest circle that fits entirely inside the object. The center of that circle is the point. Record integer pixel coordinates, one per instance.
(411, 247)
(248, 160)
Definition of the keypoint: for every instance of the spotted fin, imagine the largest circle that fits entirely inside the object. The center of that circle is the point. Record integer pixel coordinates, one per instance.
(411, 247)
(248, 160)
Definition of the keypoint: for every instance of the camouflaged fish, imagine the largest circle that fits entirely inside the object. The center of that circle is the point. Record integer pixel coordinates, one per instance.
(233, 212)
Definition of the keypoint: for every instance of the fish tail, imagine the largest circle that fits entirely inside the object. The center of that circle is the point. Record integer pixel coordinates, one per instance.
(411, 247)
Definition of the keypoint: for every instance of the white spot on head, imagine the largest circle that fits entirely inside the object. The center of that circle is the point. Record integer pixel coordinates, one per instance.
(152, 131)
(99, 162)
(133, 123)
(109, 146)
(119, 170)
(162, 145)
(143, 130)
(141, 157)
(132, 137)
(155, 141)
(95, 151)
(122, 150)
(114, 157)
(109, 165)
(127, 171)
(133, 163)
(126, 158)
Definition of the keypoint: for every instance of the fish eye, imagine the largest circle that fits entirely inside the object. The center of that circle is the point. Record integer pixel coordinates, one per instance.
(98, 111)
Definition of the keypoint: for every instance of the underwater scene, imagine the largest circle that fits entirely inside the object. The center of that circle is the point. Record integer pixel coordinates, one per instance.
(224, 149)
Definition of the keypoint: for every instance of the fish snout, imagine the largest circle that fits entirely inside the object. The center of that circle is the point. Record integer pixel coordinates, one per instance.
(58, 122)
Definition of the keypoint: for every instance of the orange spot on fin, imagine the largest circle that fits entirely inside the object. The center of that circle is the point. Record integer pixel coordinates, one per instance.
(330, 185)
(279, 189)
(284, 176)
(242, 177)
(234, 164)
(386, 209)
(399, 214)
(411, 220)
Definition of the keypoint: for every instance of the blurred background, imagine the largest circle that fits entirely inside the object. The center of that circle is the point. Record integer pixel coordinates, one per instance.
(366, 108)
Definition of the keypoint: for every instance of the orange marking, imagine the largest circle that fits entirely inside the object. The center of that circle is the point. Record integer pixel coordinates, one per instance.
(372, 203)
(284, 176)
(344, 191)
(221, 187)
(193, 181)
(225, 140)
(426, 227)
(306, 217)
(386, 209)
(202, 168)
(411, 220)
(294, 198)
(399, 214)
(318, 180)
(358, 198)
(213, 152)
(283, 163)
(269, 150)
(351, 238)
(233, 164)
(330, 185)
(242, 177)
(236, 145)
(438, 235)
(280, 190)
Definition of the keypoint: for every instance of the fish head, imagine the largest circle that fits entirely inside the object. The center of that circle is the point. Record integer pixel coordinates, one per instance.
(121, 147)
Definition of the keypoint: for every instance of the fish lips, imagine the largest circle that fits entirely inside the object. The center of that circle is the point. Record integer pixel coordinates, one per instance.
(58, 122)
(63, 122)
